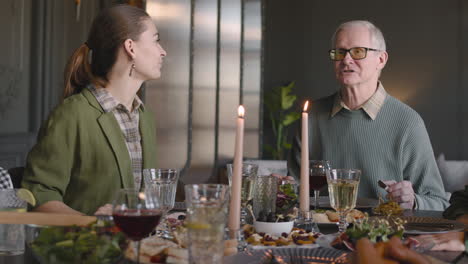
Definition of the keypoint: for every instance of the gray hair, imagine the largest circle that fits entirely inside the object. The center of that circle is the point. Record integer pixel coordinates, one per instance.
(376, 35)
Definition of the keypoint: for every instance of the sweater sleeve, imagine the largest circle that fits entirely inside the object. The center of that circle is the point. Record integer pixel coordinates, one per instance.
(458, 204)
(419, 167)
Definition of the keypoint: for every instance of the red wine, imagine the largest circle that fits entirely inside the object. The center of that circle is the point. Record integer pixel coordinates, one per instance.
(317, 182)
(137, 224)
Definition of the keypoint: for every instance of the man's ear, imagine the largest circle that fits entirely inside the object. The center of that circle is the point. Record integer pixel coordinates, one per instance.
(383, 58)
(129, 45)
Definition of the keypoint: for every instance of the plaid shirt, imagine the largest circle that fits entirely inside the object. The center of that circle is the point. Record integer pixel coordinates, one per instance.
(128, 122)
(371, 106)
(5, 180)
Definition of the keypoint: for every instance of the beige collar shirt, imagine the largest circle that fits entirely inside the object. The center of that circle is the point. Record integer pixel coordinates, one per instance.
(129, 124)
(371, 107)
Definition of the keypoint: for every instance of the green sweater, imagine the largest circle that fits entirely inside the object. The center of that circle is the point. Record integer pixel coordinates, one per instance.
(394, 146)
(81, 158)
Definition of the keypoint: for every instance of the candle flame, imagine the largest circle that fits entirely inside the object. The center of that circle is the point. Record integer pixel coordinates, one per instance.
(241, 111)
(306, 105)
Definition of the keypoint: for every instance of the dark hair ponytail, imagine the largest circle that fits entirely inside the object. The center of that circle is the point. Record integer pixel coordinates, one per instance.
(109, 30)
(78, 71)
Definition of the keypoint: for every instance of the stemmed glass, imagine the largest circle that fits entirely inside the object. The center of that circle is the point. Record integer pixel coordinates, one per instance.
(136, 213)
(249, 176)
(164, 182)
(343, 188)
(318, 177)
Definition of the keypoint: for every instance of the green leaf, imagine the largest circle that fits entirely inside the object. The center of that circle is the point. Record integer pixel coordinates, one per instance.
(291, 118)
(287, 99)
(273, 100)
(287, 145)
(270, 150)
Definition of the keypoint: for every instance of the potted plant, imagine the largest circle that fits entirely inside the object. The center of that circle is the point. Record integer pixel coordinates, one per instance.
(279, 102)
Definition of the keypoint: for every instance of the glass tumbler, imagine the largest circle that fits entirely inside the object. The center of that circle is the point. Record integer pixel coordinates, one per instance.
(11, 235)
(206, 221)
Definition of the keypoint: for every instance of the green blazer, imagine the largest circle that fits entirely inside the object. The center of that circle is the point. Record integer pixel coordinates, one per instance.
(81, 157)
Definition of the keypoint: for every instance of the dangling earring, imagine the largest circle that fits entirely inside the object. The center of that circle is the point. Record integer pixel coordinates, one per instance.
(131, 69)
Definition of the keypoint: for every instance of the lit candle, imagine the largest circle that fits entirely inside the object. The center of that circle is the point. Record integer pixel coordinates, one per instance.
(304, 189)
(235, 204)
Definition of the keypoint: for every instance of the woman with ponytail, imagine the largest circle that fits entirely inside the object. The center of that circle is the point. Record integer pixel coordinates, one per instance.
(100, 138)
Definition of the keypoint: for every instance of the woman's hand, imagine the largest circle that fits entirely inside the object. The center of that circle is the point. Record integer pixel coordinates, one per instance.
(385, 253)
(452, 241)
(104, 210)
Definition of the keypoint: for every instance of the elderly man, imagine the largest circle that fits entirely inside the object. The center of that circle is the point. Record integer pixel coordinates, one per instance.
(363, 127)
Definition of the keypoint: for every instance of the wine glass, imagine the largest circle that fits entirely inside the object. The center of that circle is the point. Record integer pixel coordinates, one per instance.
(343, 188)
(164, 182)
(249, 176)
(136, 213)
(317, 177)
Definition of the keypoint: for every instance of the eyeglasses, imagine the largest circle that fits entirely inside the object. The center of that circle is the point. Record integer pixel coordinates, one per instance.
(357, 53)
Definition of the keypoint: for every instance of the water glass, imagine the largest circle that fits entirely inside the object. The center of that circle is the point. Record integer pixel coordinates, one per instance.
(206, 220)
(249, 175)
(264, 201)
(11, 236)
(164, 182)
(343, 188)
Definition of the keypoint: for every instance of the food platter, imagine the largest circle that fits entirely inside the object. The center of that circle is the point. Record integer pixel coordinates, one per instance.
(289, 255)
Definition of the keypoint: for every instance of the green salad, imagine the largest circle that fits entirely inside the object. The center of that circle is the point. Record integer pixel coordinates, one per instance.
(99, 242)
(376, 230)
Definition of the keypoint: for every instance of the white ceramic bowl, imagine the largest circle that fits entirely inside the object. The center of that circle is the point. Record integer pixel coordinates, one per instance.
(273, 228)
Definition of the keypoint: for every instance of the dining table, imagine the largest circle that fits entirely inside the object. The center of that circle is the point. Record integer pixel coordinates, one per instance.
(442, 256)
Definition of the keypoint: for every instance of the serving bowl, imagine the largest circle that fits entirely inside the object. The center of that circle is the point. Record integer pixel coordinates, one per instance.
(273, 228)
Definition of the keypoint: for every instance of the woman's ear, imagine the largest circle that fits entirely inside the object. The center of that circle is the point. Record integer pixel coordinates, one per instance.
(129, 45)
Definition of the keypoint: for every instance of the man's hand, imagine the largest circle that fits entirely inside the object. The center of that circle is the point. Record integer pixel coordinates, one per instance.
(401, 192)
(280, 177)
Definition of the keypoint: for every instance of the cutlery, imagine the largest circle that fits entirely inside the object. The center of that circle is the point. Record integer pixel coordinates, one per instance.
(382, 185)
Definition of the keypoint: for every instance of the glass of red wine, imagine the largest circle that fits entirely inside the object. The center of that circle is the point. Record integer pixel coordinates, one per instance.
(318, 177)
(136, 213)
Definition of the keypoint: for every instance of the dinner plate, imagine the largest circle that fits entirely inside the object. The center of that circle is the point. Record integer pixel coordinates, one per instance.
(289, 255)
(361, 202)
(431, 225)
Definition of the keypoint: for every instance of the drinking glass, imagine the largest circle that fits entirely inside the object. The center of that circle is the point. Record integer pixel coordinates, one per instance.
(249, 175)
(164, 182)
(318, 177)
(264, 201)
(206, 220)
(137, 213)
(11, 235)
(343, 188)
